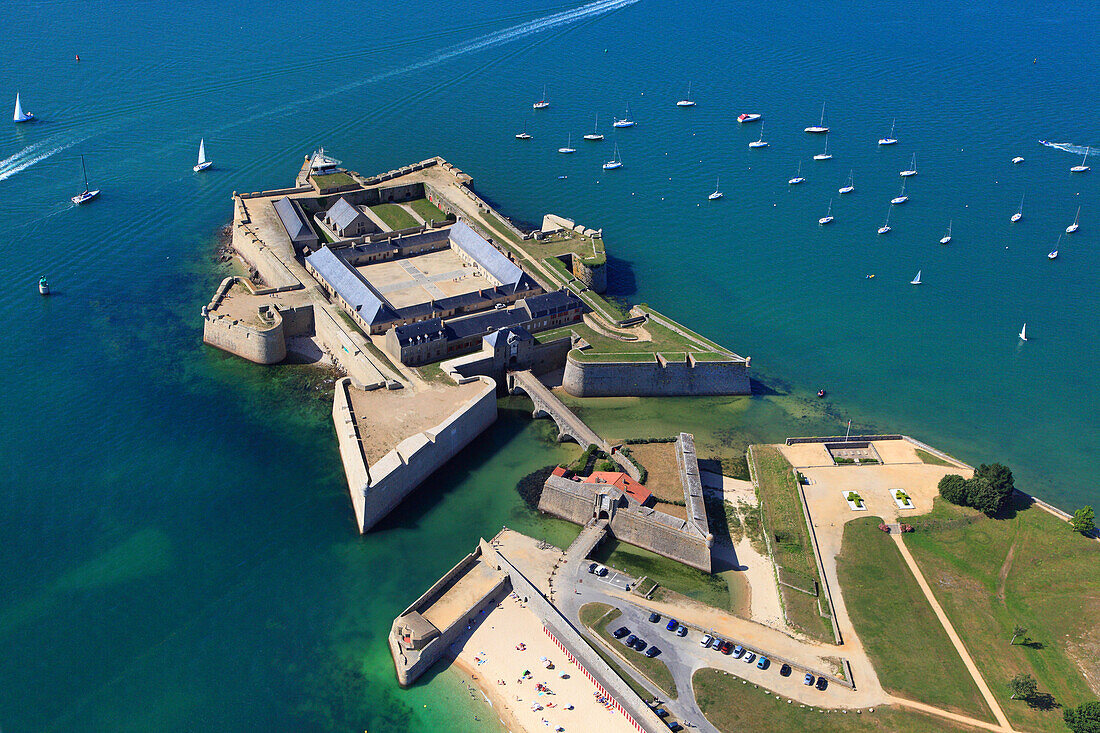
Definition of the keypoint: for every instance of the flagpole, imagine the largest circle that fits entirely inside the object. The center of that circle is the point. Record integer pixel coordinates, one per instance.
(848, 432)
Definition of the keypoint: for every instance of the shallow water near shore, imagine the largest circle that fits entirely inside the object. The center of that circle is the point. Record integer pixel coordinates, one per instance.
(179, 550)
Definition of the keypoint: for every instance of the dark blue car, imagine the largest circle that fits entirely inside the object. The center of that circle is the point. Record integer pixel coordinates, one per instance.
(672, 624)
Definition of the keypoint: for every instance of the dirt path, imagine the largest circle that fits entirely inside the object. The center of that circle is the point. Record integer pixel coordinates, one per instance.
(946, 623)
(1006, 568)
(932, 710)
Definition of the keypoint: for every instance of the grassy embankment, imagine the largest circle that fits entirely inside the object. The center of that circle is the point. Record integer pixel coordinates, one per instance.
(333, 180)
(733, 706)
(781, 506)
(901, 633)
(1026, 568)
(927, 457)
(427, 211)
(394, 216)
(598, 617)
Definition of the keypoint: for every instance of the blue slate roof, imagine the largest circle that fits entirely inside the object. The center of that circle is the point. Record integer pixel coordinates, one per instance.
(551, 304)
(350, 286)
(294, 222)
(343, 214)
(503, 270)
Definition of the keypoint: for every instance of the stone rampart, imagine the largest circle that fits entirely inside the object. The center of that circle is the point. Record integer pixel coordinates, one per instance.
(335, 339)
(593, 276)
(654, 379)
(655, 535)
(565, 500)
(260, 345)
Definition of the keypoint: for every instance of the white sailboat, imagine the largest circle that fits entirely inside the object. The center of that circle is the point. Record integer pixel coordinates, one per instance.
(1073, 227)
(523, 135)
(911, 170)
(615, 162)
(889, 139)
(946, 238)
(825, 155)
(20, 115)
(717, 194)
(594, 135)
(203, 163)
(828, 218)
(568, 146)
(1053, 254)
(88, 194)
(1019, 212)
(847, 187)
(687, 101)
(1023, 333)
(901, 198)
(916, 280)
(1082, 168)
(820, 126)
(542, 103)
(797, 176)
(761, 143)
(885, 228)
(1017, 160)
(624, 122)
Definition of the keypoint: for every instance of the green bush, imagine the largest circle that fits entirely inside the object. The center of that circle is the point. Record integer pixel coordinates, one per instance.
(606, 466)
(988, 492)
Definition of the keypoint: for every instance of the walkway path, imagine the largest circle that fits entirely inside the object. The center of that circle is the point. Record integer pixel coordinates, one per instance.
(967, 659)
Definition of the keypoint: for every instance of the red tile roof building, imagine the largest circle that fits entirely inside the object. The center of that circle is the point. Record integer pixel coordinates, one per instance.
(622, 482)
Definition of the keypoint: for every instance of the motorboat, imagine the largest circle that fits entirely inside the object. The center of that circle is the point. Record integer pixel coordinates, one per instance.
(1017, 160)
(43, 286)
(749, 117)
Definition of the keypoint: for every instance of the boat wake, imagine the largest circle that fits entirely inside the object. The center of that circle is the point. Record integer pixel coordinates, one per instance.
(1071, 148)
(28, 156)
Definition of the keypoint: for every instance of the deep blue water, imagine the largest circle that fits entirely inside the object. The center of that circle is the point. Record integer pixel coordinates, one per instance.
(178, 546)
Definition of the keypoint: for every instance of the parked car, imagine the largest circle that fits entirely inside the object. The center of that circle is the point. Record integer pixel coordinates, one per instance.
(672, 624)
(727, 647)
(654, 618)
(675, 726)
(749, 657)
(661, 713)
(706, 641)
(592, 567)
(630, 640)
(762, 662)
(785, 670)
(718, 644)
(822, 683)
(808, 680)
(652, 651)
(621, 632)
(738, 651)
(640, 645)
(682, 631)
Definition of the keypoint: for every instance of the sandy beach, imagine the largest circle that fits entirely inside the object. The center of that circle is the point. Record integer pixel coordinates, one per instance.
(510, 641)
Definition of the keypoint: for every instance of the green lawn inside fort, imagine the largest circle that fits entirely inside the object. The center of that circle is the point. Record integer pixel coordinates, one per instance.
(733, 705)
(662, 340)
(427, 211)
(911, 652)
(599, 617)
(1025, 568)
(785, 522)
(333, 180)
(394, 216)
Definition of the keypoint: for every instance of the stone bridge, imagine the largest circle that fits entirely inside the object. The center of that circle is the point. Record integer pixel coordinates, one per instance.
(569, 425)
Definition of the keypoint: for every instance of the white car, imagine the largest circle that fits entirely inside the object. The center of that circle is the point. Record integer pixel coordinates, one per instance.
(749, 657)
(706, 641)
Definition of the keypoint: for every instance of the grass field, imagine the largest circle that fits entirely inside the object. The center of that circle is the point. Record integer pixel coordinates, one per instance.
(1027, 568)
(601, 618)
(427, 210)
(784, 520)
(333, 180)
(909, 648)
(394, 216)
(933, 460)
(734, 707)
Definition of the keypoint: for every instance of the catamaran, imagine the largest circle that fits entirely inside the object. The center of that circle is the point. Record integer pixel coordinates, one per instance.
(900, 198)
(615, 162)
(916, 280)
(825, 155)
(203, 163)
(542, 103)
(88, 194)
(594, 135)
(797, 176)
(847, 187)
(748, 117)
(759, 143)
(1073, 227)
(889, 139)
(687, 101)
(911, 170)
(1082, 168)
(946, 238)
(885, 228)
(20, 115)
(1053, 254)
(717, 194)
(1023, 333)
(828, 218)
(568, 146)
(1019, 212)
(820, 126)
(624, 122)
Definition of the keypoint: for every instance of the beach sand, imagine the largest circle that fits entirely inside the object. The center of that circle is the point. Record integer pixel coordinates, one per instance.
(488, 654)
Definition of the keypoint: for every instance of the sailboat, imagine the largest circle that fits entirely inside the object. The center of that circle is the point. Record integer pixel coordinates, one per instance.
(1019, 212)
(615, 162)
(759, 143)
(889, 139)
(20, 115)
(885, 228)
(595, 135)
(1073, 227)
(542, 103)
(911, 170)
(624, 122)
(847, 187)
(1082, 168)
(900, 198)
(1023, 333)
(88, 194)
(797, 176)
(916, 280)
(1053, 254)
(687, 101)
(825, 155)
(1017, 160)
(568, 146)
(203, 163)
(523, 135)
(717, 194)
(946, 238)
(828, 218)
(820, 126)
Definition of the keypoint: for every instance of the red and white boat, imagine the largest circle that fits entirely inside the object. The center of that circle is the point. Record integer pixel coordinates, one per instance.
(748, 117)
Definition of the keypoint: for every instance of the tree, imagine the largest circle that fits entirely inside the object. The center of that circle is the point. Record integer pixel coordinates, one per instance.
(1018, 631)
(1084, 520)
(999, 476)
(986, 497)
(1084, 718)
(1023, 686)
(953, 489)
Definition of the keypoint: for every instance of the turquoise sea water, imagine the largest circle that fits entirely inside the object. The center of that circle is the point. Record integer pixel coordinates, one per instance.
(178, 548)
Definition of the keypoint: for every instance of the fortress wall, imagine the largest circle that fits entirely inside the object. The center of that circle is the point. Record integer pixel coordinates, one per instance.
(651, 379)
(262, 347)
(336, 341)
(595, 277)
(637, 529)
(348, 439)
(565, 499)
(297, 321)
(548, 356)
(401, 470)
